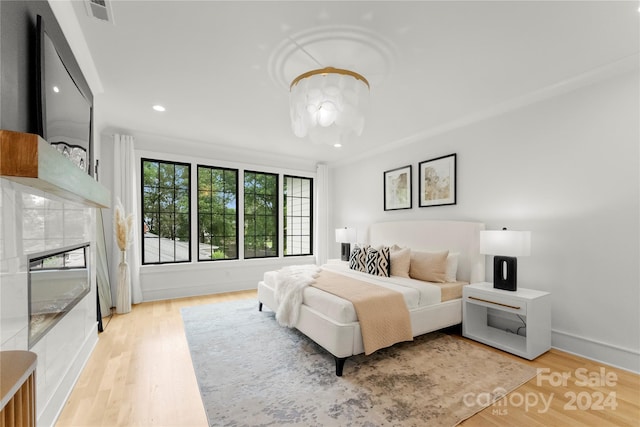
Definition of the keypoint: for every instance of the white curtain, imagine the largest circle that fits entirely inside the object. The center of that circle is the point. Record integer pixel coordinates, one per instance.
(125, 188)
(322, 214)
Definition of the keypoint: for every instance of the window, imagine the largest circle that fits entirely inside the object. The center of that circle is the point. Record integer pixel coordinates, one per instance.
(217, 213)
(166, 212)
(220, 230)
(298, 206)
(260, 215)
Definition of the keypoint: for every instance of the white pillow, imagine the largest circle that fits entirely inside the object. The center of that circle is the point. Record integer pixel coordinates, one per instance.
(451, 273)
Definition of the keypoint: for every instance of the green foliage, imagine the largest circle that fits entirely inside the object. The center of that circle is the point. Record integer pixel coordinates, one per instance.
(166, 199)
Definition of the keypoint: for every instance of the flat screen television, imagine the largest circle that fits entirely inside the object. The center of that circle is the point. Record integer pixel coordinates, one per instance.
(63, 111)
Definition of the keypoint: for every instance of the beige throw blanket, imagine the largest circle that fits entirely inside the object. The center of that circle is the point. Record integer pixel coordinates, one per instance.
(382, 313)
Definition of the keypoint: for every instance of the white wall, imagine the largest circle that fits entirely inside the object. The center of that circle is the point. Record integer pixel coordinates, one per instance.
(566, 169)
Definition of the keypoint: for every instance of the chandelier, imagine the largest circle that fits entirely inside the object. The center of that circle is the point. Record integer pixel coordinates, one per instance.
(329, 105)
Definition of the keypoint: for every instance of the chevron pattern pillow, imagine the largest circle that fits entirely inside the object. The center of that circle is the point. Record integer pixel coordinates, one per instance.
(358, 258)
(378, 261)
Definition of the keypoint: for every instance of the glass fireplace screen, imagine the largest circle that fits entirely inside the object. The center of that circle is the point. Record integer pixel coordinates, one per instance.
(58, 280)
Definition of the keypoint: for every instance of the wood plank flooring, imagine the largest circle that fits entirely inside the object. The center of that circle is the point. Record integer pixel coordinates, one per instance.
(140, 374)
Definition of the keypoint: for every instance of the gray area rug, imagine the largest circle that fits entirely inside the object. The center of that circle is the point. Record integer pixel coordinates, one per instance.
(253, 372)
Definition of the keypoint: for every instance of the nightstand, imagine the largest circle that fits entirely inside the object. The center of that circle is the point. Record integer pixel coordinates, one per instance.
(480, 302)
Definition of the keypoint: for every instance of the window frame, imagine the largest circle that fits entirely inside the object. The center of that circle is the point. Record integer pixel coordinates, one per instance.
(276, 249)
(237, 216)
(284, 215)
(142, 211)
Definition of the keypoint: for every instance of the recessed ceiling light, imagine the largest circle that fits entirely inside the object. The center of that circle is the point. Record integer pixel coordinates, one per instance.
(56, 89)
(337, 145)
(159, 108)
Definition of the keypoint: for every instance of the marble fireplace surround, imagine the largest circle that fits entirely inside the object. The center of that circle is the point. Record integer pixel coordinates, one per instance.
(34, 221)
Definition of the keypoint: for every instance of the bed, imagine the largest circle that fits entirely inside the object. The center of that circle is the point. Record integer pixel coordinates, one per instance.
(329, 320)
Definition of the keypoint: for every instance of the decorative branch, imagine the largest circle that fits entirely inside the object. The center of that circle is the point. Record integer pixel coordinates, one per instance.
(123, 226)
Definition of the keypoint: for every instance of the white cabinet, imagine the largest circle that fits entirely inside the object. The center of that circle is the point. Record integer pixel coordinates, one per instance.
(486, 310)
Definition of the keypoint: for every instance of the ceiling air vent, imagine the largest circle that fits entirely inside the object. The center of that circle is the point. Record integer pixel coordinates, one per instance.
(99, 9)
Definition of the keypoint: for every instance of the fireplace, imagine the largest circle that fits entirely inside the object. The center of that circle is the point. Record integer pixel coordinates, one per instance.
(58, 280)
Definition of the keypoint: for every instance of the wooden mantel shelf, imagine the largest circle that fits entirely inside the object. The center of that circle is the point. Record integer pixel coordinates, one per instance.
(28, 159)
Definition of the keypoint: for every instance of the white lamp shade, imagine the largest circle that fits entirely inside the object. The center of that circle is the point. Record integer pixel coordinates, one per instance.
(345, 235)
(505, 243)
(328, 105)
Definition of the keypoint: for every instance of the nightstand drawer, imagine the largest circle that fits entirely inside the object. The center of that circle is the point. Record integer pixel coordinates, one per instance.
(493, 300)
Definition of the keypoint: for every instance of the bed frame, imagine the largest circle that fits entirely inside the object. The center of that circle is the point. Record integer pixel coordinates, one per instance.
(345, 339)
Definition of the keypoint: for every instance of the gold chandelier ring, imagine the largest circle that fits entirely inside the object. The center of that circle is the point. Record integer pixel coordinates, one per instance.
(329, 70)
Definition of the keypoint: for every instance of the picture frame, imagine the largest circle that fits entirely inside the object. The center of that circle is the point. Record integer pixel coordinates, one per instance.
(437, 181)
(398, 188)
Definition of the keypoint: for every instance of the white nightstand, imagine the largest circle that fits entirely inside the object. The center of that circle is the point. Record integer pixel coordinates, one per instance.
(479, 300)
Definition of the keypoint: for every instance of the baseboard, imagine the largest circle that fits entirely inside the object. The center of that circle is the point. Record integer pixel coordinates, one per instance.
(198, 290)
(162, 282)
(54, 406)
(598, 351)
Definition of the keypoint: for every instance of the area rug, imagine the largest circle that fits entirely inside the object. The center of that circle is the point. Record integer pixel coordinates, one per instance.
(253, 372)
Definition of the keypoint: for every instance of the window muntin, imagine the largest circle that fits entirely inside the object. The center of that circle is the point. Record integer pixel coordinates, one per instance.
(217, 213)
(298, 217)
(260, 215)
(166, 212)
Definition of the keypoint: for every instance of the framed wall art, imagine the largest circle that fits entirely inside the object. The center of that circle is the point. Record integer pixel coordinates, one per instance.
(397, 189)
(437, 181)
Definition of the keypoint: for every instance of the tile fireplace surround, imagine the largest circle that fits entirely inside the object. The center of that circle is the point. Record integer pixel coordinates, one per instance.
(33, 221)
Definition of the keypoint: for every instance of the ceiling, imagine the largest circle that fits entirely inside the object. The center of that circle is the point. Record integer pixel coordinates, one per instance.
(222, 69)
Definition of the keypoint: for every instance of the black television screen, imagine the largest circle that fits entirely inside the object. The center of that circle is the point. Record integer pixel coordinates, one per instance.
(63, 111)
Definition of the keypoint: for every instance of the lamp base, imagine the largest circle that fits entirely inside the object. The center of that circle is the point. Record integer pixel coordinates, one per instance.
(345, 251)
(505, 269)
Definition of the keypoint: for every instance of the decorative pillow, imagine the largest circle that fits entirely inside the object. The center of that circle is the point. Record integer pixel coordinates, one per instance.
(378, 261)
(358, 258)
(451, 274)
(429, 266)
(400, 260)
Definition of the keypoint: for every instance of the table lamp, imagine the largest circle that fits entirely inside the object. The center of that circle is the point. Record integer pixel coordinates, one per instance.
(345, 236)
(506, 246)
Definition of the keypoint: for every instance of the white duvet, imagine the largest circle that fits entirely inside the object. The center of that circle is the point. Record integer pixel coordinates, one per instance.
(416, 293)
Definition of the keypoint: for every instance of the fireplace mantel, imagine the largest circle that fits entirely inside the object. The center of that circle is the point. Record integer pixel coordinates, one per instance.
(29, 160)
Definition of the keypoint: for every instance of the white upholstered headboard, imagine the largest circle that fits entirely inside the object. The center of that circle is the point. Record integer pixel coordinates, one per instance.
(426, 235)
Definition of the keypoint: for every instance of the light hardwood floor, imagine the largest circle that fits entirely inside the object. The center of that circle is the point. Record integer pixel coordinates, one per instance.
(140, 374)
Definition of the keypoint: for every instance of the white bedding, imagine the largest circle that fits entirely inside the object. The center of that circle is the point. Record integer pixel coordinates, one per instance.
(331, 322)
(416, 293)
